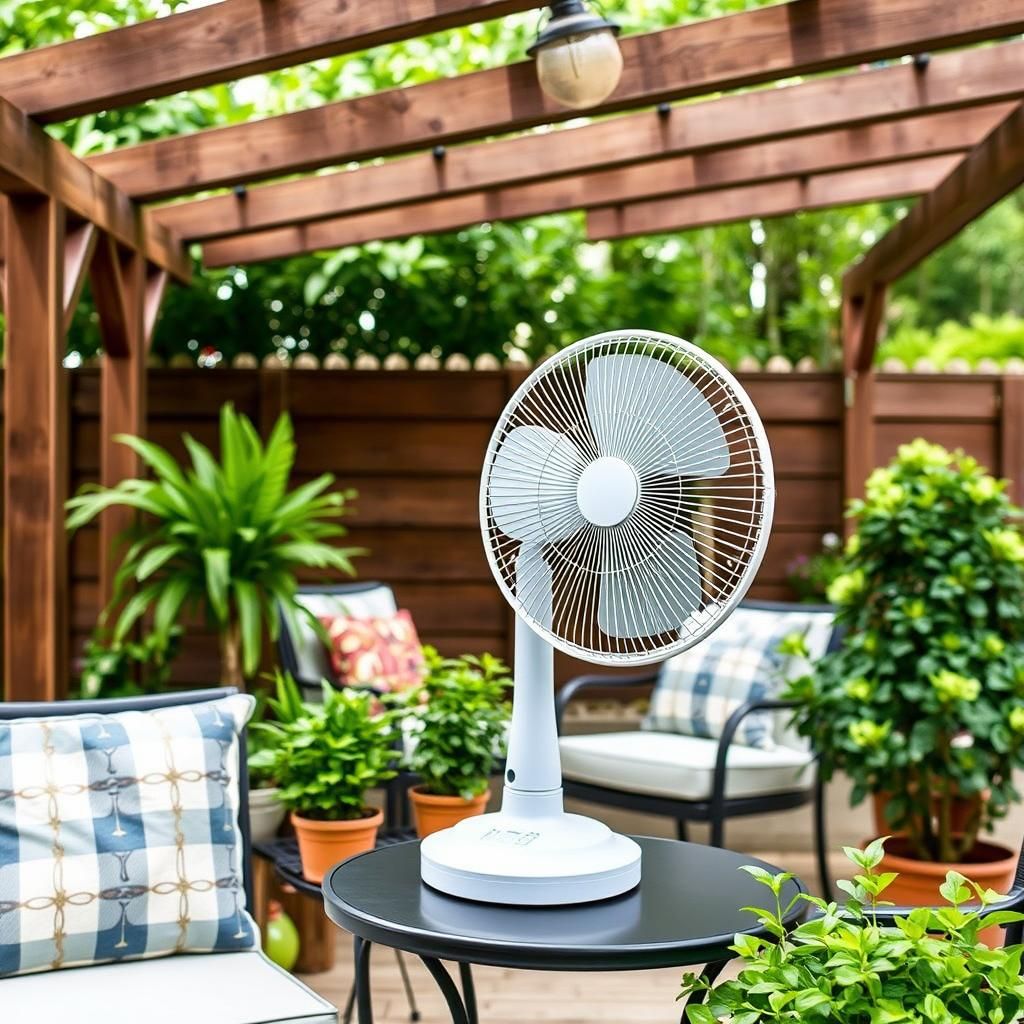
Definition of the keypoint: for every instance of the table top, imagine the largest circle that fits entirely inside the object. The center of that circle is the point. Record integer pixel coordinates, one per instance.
(686, 910)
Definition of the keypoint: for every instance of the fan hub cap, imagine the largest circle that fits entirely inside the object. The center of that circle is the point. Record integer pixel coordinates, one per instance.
(607, 491)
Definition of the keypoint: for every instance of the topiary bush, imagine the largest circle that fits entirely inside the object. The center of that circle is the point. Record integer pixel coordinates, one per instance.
(922, 701)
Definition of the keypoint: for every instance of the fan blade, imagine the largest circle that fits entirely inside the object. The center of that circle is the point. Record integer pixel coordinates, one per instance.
(651, 415)
(653, 596)
(534, 585)
(532, 486)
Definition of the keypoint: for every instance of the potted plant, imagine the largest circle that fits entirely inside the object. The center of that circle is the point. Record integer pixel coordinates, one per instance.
(457, 722)
(325, 760)
(266, 812)
(922, 702)
(848, 967)
(222, 539)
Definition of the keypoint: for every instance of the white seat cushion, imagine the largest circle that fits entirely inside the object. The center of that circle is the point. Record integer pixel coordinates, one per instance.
(201, 988)
(681, 767)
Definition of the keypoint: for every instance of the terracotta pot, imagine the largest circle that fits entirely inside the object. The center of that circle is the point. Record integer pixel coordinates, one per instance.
(433, 813)
(960, 813)
(990, 865)
(266, 813)
(322, 844)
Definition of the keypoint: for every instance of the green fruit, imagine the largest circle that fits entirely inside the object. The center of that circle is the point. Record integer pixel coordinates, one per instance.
(281, 940)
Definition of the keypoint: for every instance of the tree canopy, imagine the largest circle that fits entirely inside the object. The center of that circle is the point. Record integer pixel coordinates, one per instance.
(762, 288)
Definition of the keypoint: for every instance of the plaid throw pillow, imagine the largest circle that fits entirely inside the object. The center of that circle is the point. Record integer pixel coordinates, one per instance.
(699, 689)
(119, 836)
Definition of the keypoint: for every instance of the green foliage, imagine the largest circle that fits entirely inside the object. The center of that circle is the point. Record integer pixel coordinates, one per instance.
(809, 576)
(1000, 339)
(749, 288)
(922, 701)
(533, 286)
(286, 706)
(221, 538)
(327, 758)
(127, 668)
(459, 719)
(841, 967)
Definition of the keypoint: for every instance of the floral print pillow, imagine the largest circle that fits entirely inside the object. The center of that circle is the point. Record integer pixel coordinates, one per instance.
(381, 653)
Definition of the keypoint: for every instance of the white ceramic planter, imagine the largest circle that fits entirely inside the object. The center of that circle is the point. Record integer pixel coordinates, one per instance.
(266, 813)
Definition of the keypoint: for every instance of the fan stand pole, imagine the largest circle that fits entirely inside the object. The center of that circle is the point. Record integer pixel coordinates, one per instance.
(533, 771)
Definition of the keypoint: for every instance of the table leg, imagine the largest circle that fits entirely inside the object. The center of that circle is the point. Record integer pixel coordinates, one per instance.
(364, 1004)
(709, 974)
(468, 991)
(410, 996)
(449, 990)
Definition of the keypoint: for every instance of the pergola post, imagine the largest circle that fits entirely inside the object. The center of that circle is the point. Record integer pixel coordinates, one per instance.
(119, 282)
(35, 451)
(861, 320)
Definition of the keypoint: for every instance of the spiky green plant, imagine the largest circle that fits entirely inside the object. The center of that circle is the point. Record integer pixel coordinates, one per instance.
(221, 539)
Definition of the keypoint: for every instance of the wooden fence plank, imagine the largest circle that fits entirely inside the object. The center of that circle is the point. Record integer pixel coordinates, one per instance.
(1011, 436)
(422, 528)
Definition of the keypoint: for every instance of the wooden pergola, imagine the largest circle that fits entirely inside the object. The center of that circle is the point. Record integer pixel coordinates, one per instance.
(946, 127)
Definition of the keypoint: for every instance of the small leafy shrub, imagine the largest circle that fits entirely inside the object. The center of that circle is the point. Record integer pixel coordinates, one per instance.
(809, 576)
(843, 967)
(923, 700)
(286, 706)
(459, 718)
(127, 668)
(327, 757)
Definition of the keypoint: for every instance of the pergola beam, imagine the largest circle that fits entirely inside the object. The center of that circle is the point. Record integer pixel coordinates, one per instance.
(776, 199)
(32, 163)
(990, 171)
(800, 37)
(993, 169)
(702, 173)
(222, 42)
(622, 142)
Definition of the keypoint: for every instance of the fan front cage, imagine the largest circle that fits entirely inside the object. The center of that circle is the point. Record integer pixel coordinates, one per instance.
(669, 573)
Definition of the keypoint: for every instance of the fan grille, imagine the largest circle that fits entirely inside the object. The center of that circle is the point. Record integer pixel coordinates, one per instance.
(693, 540)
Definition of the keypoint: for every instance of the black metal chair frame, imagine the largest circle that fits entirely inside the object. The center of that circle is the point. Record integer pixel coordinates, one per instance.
(113, 705)
(718, 808)
(286, 643)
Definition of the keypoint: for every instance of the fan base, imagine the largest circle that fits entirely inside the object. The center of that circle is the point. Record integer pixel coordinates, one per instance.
(543, 861)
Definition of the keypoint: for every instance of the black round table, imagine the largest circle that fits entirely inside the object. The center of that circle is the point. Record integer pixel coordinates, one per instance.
(686, 911)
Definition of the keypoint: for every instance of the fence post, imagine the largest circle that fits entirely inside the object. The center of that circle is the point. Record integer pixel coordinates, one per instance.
(1011, 435)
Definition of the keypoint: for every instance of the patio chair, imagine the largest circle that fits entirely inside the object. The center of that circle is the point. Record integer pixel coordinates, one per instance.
(305, 657)
(239, 987)
(692, 778)
(303, 653)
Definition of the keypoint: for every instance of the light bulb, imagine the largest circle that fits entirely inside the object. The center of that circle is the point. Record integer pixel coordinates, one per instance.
(579, 62)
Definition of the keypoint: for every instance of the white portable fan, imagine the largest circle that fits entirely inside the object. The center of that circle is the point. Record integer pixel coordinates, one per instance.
(625, 503)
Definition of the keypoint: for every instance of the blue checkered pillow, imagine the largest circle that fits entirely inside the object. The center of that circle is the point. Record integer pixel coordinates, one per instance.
(119, 836)
(699, 689)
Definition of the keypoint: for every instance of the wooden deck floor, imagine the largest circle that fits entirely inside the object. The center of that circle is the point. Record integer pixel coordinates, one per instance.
(522, 997)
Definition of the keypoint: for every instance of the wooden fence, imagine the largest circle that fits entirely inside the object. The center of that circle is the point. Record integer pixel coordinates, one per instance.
(412, 444)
